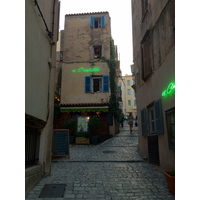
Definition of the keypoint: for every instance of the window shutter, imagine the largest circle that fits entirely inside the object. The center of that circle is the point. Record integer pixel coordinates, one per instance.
(144, 122)
(102, 21)
(158, 116)
(147, 66)
(105, 83)
(92, 21)
(87, 84)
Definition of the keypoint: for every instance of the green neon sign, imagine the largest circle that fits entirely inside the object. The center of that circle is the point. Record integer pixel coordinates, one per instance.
(82, 69)
(169, 90)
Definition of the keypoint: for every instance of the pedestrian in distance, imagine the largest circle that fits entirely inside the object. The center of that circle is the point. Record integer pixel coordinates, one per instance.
(121, 119)
(130, 121)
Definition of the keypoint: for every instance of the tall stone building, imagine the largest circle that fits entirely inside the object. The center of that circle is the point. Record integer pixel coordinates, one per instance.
(128, 95)
(154, 71)
(40, 38)
(86, 81)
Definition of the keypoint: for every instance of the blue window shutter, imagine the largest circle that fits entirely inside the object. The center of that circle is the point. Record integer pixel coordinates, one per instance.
(158, 116)
(87, 84)
(105, 83)
(92, 21)
(144, 122)
(102, 21)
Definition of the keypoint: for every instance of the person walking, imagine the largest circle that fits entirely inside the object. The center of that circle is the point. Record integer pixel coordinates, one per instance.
(121, 119)
(130, 121)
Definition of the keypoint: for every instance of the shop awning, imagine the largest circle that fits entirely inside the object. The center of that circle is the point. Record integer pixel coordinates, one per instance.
(85, 107)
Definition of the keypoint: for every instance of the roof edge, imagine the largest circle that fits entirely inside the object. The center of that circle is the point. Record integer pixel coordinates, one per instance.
(74, 14)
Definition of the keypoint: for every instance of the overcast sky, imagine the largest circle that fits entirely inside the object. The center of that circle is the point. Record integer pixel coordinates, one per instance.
(121, 23)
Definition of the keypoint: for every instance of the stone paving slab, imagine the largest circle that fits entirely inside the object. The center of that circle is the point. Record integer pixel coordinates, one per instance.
(109, 171)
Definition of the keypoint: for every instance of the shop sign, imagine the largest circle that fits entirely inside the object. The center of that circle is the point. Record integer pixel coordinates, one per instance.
(169, 90)
(82, 69)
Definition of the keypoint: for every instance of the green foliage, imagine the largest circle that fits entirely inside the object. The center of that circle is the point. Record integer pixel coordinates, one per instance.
(71, 124)
(93, 125)
(112, 64)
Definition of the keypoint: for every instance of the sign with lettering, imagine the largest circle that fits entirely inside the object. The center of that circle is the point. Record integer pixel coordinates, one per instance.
(82, 69)
(169, 90)
(61, 142)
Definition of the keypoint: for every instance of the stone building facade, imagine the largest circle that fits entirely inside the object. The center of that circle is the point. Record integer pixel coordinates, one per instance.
(154, 71)
(40, 47)
(85, 85)
(128, 95)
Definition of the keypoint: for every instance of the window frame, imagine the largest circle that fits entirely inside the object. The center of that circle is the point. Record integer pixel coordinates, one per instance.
(146, 56)
(169, 112)
(152, 121)
(100, 21)
(100, 83)
(104, 85)
(97, 54)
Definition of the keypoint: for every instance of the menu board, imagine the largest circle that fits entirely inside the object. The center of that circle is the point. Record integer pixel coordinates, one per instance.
(61, 142)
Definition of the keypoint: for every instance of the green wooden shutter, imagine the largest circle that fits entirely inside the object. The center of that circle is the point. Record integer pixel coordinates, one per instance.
(106, 83)
(144, 122)
(102, 21)
(87, 84)
(92, 21)
(158, 116)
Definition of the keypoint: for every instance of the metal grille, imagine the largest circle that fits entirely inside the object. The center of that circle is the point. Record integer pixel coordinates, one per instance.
(32, 142)
(153, 149)
(53, 191)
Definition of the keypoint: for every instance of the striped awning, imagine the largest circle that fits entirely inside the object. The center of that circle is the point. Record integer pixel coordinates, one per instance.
(83, 109)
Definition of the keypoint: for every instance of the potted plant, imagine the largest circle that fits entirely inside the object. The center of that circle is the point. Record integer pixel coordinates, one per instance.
(93, 125)
(170, 178)
(83, 137)
(71, 125)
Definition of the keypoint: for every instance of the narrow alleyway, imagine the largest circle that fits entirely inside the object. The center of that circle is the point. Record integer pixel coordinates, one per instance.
(112, 170)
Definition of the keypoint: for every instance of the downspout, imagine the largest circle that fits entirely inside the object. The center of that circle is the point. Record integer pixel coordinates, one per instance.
(50, 64)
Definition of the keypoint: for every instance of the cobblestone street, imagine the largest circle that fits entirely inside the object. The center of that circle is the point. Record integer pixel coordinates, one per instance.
(112, 170)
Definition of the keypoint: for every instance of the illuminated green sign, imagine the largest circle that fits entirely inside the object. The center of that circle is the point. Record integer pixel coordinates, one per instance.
(169, 90)
(82, 69)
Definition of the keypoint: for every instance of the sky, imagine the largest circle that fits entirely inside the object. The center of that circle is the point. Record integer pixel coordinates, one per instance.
(121, 23)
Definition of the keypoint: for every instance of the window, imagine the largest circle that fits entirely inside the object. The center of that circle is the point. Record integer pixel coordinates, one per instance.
(129, 102)
(97, 22)
(146, 56)
(97, 51)
(170, 121)
(128, 91)
(128, 82)
(152, 120)
(96, 84)
(155, 119)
